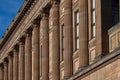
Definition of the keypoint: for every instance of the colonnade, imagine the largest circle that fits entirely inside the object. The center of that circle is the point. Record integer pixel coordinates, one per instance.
(23, 63)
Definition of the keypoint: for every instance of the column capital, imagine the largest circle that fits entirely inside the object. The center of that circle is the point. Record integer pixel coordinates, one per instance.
(55, 2)
(10, 54)
(35, 23)
(28, 32)
(21, 41)
(5, 61)
(16, 48)
(45, 10)
(45, 15)
(1, 66)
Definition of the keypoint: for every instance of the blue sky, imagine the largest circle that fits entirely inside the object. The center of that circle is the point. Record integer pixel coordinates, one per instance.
(8, 10)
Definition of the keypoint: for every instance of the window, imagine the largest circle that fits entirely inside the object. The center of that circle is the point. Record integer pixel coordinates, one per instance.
(93, 32)
(76, 30)
(115, 12)
(63, 41)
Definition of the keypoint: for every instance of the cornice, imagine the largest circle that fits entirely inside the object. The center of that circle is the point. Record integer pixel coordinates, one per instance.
(20, 15)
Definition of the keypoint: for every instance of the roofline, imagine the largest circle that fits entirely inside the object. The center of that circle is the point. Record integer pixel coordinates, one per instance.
(19, 16)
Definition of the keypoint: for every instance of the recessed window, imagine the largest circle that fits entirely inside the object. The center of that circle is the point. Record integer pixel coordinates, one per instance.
(93, 31)
(115, 12)
(76, 30)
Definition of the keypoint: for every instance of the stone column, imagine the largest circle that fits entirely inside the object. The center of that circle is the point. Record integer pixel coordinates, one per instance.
(83, 24)
(35, 51)
(21, 59)
(1, 71)
(5, 69)
(10, 66)
(68, 62)
(15, 63)
(56, 41)
(28, 56)
(45, 46)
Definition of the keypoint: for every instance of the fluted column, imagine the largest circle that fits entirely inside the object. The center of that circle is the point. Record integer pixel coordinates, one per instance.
(15, 63)
(21, 59)
(5, 69)
(56, 41)
(45, 47)
(35, 51)
(1, 71)
(10, 66)
(68, 69)
(83, 24)
(28, 56)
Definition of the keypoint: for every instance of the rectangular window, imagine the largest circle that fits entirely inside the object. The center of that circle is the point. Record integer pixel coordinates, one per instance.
(115, 12)
(93, 31)
(76, 30)
(63, 41)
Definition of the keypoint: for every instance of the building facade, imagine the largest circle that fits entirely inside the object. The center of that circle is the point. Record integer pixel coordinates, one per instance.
(62, 40)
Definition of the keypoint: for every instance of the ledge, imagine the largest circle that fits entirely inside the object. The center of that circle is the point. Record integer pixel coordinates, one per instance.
(105, 59)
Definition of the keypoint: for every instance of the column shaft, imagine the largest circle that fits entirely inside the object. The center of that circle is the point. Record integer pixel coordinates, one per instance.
(68, 63)
(6, 70)
(56, 42)
(10, 67)
(35, 52)
(83, 24)
(1, 72)
(15, 64)
(98, 29)
(45, 47)
(21, 61)
(28, 57)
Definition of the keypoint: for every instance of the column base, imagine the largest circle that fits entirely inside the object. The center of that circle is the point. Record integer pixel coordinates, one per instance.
(82, 68)
(99, 57)
(65, 77)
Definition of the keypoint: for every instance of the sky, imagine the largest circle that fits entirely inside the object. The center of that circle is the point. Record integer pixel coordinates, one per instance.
(8, 10)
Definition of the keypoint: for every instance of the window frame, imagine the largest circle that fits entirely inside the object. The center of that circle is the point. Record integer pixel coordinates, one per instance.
(76, 24)
(93, 19)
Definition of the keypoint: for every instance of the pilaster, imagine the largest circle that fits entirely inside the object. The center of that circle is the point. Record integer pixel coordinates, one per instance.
(98, 37)
(68, 62)
(83, 24)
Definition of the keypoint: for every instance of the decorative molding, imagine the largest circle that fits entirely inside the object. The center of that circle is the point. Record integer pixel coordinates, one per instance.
(25, 24)
(21, 13)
